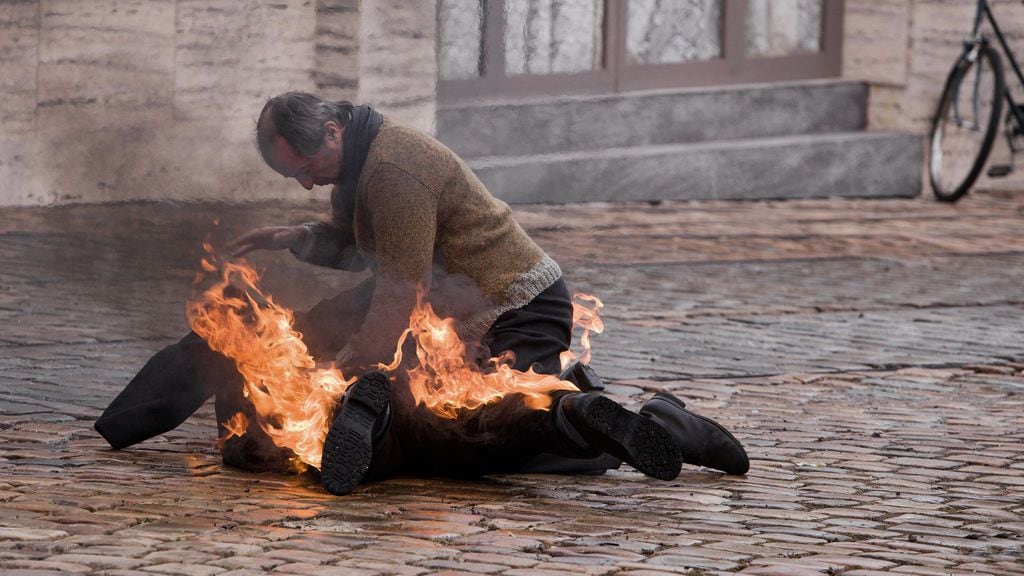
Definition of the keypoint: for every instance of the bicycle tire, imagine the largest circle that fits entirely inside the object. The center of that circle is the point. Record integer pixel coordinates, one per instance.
(952, 193)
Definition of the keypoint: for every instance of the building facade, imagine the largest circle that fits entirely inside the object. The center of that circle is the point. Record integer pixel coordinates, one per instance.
(110, 100)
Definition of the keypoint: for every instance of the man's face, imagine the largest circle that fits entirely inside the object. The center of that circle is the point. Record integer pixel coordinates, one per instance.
(321, 169)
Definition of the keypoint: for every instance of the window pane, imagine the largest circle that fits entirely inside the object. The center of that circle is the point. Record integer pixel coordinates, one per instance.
(461, 26)
(553, 36)
(663, 31)
(780, 27)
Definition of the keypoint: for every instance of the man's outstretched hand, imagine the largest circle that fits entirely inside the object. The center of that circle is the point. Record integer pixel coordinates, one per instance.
(269, 238)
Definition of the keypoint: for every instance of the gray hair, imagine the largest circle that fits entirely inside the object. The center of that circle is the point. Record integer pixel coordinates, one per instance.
(299, 118)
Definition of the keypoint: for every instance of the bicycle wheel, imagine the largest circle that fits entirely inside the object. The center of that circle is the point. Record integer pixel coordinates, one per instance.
(965, 125)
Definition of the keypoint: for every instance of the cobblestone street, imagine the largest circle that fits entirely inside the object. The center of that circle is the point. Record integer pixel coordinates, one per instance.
(869, 354)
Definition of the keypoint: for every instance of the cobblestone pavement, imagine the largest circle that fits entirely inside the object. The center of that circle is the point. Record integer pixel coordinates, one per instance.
(868, 353)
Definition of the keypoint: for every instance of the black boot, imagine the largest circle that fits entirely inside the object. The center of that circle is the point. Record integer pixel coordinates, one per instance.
(591, 423)
(362, 420)
(701, 440)
(253, 451)
(583, 376)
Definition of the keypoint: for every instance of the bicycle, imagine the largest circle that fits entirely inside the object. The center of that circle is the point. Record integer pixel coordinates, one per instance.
(964, 128)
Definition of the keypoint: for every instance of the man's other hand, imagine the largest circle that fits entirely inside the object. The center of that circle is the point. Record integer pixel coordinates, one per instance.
(269, 238)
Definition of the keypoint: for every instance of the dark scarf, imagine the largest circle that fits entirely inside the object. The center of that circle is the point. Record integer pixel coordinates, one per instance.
(360, 131)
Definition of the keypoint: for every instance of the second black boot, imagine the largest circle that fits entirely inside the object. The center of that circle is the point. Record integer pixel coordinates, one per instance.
(592, 423)
(701, 440)
(254, 450)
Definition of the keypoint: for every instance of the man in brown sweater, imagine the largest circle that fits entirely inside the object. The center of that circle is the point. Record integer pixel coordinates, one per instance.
(408, 208)
(412, 211)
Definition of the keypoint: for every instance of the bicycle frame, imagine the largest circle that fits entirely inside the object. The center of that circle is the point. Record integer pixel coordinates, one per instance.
(978, 38)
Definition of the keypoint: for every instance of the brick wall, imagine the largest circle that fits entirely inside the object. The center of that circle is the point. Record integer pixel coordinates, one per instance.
(111, 100)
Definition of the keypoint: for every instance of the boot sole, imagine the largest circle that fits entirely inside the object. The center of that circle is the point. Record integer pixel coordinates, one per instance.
(349, 444)
(636, 440)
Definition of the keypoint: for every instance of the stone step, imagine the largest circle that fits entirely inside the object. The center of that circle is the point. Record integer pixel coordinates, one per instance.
(807, 166)
(576, 123)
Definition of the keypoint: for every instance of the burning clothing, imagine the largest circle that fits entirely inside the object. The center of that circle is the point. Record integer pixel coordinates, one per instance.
(414, 212)
(506, 436)
(503, 437)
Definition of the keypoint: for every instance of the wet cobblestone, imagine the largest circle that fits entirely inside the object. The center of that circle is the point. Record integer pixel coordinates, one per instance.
(870, 354)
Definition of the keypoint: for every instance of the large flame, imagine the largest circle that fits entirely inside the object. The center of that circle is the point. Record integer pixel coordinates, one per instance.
(294, 399)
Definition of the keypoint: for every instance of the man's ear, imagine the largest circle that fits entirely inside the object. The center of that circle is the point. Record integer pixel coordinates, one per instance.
(332, 131)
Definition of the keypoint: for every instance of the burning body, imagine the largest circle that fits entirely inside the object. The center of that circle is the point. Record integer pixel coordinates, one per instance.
(410, 210)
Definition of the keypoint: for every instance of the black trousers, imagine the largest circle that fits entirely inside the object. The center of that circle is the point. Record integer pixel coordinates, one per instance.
(501, 437)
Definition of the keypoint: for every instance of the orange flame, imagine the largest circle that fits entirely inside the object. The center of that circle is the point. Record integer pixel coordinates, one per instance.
(586, 317)
(235, 426)
(292, 397)
(294, 400)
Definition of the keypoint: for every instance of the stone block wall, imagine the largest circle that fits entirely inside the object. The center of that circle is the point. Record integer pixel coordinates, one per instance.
(398, 59)
(876, 44)
(110, 100)
(336, 72)
(19, 62)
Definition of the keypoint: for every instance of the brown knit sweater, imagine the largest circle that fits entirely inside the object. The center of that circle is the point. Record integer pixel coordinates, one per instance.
(422, 217)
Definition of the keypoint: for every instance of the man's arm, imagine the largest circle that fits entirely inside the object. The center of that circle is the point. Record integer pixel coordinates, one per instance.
(320, 243)
(328, 244)
(331, 244)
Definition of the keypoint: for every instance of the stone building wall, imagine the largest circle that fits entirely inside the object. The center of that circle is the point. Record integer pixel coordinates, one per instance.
(336, 45)
(108, 100)
(398, 59)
